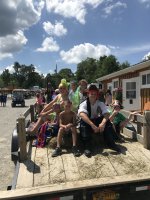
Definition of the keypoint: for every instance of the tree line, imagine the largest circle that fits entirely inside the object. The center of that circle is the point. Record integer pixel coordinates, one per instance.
(90, 69)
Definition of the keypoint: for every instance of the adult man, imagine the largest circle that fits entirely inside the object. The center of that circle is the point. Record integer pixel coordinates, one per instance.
(95, 119)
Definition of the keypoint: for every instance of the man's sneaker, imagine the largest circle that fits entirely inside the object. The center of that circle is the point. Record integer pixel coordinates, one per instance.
(75, 151)
(56, 152)
(115, 148)
(87, 153)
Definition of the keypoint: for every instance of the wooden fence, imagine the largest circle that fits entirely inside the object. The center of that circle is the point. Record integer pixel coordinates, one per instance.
(142, 126)
(21, 130)
(141, 123)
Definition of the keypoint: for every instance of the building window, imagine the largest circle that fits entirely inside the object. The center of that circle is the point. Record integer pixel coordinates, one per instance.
(148, 78)
(131, 90)
(145, 79)
(115, 84)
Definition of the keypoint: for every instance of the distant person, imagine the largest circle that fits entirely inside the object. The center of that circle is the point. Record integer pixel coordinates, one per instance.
(55, 93)
(67, 122)
(108, 98)
(4, 99)
(49, 92)
(39, 103)
(74, 95)
(83, 90)
(1, 99)
(101, 95)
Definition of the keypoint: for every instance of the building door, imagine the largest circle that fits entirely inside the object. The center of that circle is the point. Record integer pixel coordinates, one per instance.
(131, 94)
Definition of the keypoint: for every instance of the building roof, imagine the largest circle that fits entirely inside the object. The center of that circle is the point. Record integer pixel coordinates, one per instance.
(133, 68)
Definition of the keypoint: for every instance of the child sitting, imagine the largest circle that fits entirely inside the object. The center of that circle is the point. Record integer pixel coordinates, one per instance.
(118, 120)
(67, 122)
(49, 128)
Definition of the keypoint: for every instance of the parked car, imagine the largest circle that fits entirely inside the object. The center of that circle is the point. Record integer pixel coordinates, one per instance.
(18, 97)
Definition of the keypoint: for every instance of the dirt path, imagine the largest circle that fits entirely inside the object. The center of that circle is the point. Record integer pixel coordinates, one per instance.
(8, 116)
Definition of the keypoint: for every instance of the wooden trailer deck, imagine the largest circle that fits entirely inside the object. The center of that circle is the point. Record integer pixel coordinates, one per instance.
(106, 165)
(40, 174)
(44, 174)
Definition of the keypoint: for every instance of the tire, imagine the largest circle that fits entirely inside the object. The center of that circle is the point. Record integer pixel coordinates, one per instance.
(23, 104)
(14, 146)
(12, 105)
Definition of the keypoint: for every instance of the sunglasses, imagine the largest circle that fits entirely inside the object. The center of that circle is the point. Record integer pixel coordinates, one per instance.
(116, 107)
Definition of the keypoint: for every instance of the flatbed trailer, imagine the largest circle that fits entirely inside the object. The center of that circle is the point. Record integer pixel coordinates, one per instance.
(107, 175)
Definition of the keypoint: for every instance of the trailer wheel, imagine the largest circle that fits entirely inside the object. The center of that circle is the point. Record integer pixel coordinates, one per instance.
(14, 146)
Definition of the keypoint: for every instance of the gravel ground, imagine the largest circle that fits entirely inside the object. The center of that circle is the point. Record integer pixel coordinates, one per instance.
(8, 116)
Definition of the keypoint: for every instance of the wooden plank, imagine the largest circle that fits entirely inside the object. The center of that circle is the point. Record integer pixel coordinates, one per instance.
(72, 186)
(22, 138)
(104, 167)
(70, 167)
(124, 162)
(146, 152)
(25, 176)
(26, 113)
(86, 167)
(142, 163)
(41, 172)
(129, 133)
(56, 169)
(146, 132)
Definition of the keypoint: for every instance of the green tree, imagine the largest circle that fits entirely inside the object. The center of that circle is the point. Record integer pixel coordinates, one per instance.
(1, 82)
(87, 70)
(6, 77)
(124, 65)
(108, 65)
(66, 74)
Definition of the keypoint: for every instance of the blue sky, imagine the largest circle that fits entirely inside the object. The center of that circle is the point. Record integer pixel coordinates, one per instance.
(65, 32)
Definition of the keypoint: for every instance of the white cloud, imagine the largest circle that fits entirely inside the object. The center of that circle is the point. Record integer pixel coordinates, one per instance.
(11, 69)
(11, 44)
(131, 50)
(146, 57)
(49, 45)
(18, 15)
(108, 9)
(15, 17)
(56, 29)
(71, 8)
(82, 51)
(146, 2)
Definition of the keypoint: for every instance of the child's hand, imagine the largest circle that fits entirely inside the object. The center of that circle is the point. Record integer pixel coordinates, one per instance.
(115, 112)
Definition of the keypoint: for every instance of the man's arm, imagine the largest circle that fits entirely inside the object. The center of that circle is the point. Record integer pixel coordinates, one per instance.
(103, 123)
(86, 119)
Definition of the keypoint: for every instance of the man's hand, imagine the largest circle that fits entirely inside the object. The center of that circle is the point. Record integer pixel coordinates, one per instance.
(95, 128)
(101, 127)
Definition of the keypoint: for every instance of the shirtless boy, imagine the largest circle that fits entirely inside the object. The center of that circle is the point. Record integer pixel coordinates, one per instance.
(67, 122)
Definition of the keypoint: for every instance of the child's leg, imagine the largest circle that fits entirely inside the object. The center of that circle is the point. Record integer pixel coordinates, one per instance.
(36, 126)
(59, 136)
(75, 150)
(74, 136)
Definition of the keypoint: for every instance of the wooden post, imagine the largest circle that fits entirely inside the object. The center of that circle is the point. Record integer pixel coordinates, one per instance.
(22, 138)
(146, 133)
(32, 112)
